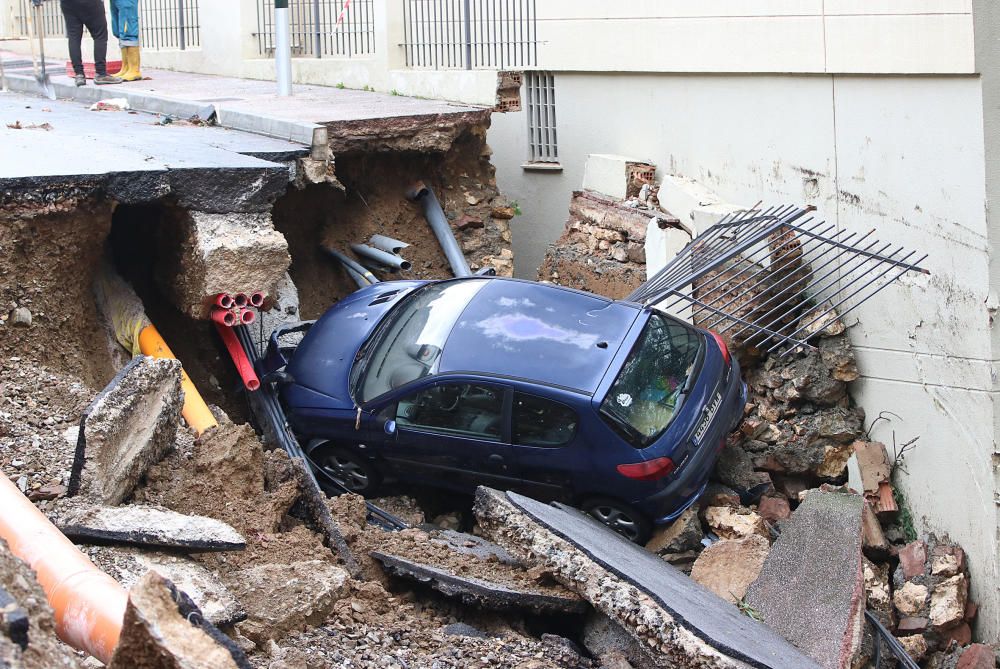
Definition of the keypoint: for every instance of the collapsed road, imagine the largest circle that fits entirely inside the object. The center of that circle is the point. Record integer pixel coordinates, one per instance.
(210, 523)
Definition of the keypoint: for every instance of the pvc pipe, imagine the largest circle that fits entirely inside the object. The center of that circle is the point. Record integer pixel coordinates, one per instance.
(257, 299)
(195, 411)
(246, 317)
(381, 257)
(419, 192)
(282, 49)
(88, 604)
(387, 244)
(223, 316)
(240, 300)
(243, 365)
(224, 300)
(352, 266)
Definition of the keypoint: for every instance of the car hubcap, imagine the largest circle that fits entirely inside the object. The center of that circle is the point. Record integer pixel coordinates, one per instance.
(618, 520)
(346, 472)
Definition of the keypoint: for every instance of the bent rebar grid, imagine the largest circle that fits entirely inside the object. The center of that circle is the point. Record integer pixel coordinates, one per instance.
(773, 276)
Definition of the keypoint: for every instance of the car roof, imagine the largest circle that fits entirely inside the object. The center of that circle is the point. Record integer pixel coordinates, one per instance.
(538, 332)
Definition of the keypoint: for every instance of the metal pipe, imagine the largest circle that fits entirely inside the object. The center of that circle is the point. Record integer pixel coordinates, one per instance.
(387, 244)
(381, 257)
(282, 49)
(419, 192)
(352, 266)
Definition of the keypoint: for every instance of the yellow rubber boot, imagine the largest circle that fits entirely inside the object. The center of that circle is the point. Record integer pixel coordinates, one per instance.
(134, 72)
(126, 64)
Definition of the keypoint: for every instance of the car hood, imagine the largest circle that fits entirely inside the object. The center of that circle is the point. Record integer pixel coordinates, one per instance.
(321, 365)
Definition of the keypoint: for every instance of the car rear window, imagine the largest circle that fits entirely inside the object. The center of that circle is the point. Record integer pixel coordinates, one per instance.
(650, 387)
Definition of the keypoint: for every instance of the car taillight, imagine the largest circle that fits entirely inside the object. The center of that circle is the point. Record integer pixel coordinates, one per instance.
(722, 345)
(651, 470)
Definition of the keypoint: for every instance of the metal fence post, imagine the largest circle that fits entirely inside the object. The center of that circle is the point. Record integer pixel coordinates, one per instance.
(468, 34)
(317, 30)
(181, 37)
(282, 48)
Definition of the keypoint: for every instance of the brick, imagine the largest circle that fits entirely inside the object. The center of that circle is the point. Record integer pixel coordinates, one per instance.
(977, 656)
(912, 559)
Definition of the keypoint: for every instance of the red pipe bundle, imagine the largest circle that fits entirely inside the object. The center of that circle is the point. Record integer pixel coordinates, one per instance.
(239, 356)
(247, 317)
(257, 299)
(224, 300)
(240, 300)
(223, 316)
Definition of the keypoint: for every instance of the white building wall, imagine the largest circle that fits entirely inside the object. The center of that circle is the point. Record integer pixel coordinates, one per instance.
(902, 155)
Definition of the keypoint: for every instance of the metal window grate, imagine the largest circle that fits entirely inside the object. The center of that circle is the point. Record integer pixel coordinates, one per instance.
(52, 18)
(470, 34)
(340, 28)
(169, 24)
(773, 278)
(540, 103)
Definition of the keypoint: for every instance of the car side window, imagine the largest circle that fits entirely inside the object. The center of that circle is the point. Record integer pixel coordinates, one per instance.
(463, 409)
(542, 422)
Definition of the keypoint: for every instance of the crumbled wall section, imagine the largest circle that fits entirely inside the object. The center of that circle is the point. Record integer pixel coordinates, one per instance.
(602, 248)
(428, 133)
(129, 427)
(219, 253)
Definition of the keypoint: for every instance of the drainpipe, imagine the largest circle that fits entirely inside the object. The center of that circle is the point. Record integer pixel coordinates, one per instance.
(88, 604)
(282, 49)
(389, 260)
(419, 192)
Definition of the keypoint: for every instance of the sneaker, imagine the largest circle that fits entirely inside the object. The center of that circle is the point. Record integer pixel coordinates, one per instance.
(80, 80)
(103, 79)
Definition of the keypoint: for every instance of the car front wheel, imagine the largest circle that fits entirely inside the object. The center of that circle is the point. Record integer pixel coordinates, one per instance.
(347, 468)
(620, 517)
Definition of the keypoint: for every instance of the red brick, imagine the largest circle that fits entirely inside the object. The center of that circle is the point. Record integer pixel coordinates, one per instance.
(961, 635)
(912, 559)
(773, 509)
(911, 625)
(971, 610)
(977, 656)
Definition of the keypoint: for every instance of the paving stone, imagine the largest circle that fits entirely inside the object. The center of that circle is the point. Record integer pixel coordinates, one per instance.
(729, 566)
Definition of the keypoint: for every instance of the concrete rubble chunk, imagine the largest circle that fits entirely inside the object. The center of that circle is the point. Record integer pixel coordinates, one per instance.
(948, 602)
(612, 645)
(773, 509)
(128, 565)
(684, 534)
(915, 646)
(729, 566)
(129, 427)
(977, 656)
(731, 523)
(811, 588)
(911, 599)
(912, 559)
(147, 526)
(163, 629)
(680, 622)
(481, 592)
(309, 591)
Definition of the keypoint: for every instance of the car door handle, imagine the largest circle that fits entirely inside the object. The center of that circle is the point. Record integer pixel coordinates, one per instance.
(495, 459)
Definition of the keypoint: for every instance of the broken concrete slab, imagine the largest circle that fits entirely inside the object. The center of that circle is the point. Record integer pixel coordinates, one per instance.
(128, 427)
(480, 592)
(163, 629)
(811, 588)
(309, 591)
(729, 566)
(128, 565)
(684, 534)
(470, 544)
(147, 526)
(682, 623)
(609, 643)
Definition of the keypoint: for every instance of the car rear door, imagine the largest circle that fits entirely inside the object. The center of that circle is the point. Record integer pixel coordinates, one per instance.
(548, 450)
(453, 433)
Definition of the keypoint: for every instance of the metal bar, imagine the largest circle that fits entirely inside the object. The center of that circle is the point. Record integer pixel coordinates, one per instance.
(180, 22)
(468, 34)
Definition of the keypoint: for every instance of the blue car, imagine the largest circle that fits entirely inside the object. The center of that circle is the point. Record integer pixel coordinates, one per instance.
(558, 394)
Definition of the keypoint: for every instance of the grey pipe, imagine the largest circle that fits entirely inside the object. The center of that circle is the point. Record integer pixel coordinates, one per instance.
(419, 192)
(387, 244)
(380, 257)
(354, 269)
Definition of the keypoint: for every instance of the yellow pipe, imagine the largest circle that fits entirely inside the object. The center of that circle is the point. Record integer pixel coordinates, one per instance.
(88, 604)
(195, 411)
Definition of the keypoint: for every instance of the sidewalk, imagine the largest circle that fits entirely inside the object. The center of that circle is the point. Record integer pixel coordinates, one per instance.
(307, 117)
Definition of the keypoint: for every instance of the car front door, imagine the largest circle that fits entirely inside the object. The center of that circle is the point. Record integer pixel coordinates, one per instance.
(547, 449)
(453, 434)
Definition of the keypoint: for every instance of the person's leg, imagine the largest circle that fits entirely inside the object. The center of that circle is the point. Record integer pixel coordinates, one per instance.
(74, 33)
(97, 25)
(115, 21)
(128, 27)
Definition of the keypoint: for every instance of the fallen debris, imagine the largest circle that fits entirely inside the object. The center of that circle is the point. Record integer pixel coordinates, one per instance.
(128, 427)
(684, 624)
(729, 566)
(147, 526)
(111, 104)
(810, 588)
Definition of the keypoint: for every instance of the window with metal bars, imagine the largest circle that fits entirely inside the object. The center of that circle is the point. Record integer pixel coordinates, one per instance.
(540, 97)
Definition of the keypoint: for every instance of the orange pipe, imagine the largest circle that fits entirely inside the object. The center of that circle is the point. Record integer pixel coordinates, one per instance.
(195, 411)
(89, 605)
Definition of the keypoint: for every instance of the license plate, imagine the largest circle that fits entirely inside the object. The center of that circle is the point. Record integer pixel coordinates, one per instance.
(706, 422)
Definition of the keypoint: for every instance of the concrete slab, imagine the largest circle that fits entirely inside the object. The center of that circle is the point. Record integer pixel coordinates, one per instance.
(480, 592)
(685, 624)
(148, 526)
(131, 157)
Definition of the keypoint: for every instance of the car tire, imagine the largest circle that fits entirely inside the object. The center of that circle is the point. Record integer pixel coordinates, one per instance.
(359, 475)
(620, 517)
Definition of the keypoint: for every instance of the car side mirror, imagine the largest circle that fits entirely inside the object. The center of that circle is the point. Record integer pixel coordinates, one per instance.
(390, 427)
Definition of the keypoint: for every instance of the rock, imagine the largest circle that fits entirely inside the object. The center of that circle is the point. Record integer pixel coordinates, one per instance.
(448, 521)
(467, 222)
(729, 566)
(462, 629)
(684, 534)
(977, 656)
(948, 601)
(961, 635)
(50, 491)
(607, 641)
(719, 495)
(835, 457)
(403, 507)
(729, 523)
(809, 443)
(877, 592)
(503, 213)
(912, 625)
(816, 559)
(20, 317)
(818, 323)
(773, 509)
(944, 565)
(735, 469)
(911, 599)
(915, 646)
(471, 199)
(912, 559)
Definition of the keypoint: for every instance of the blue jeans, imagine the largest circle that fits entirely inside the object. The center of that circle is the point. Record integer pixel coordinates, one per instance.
(125, 21)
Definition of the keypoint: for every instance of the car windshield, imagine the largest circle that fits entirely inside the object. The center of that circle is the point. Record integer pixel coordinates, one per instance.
(408, 345)
(654, 379)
